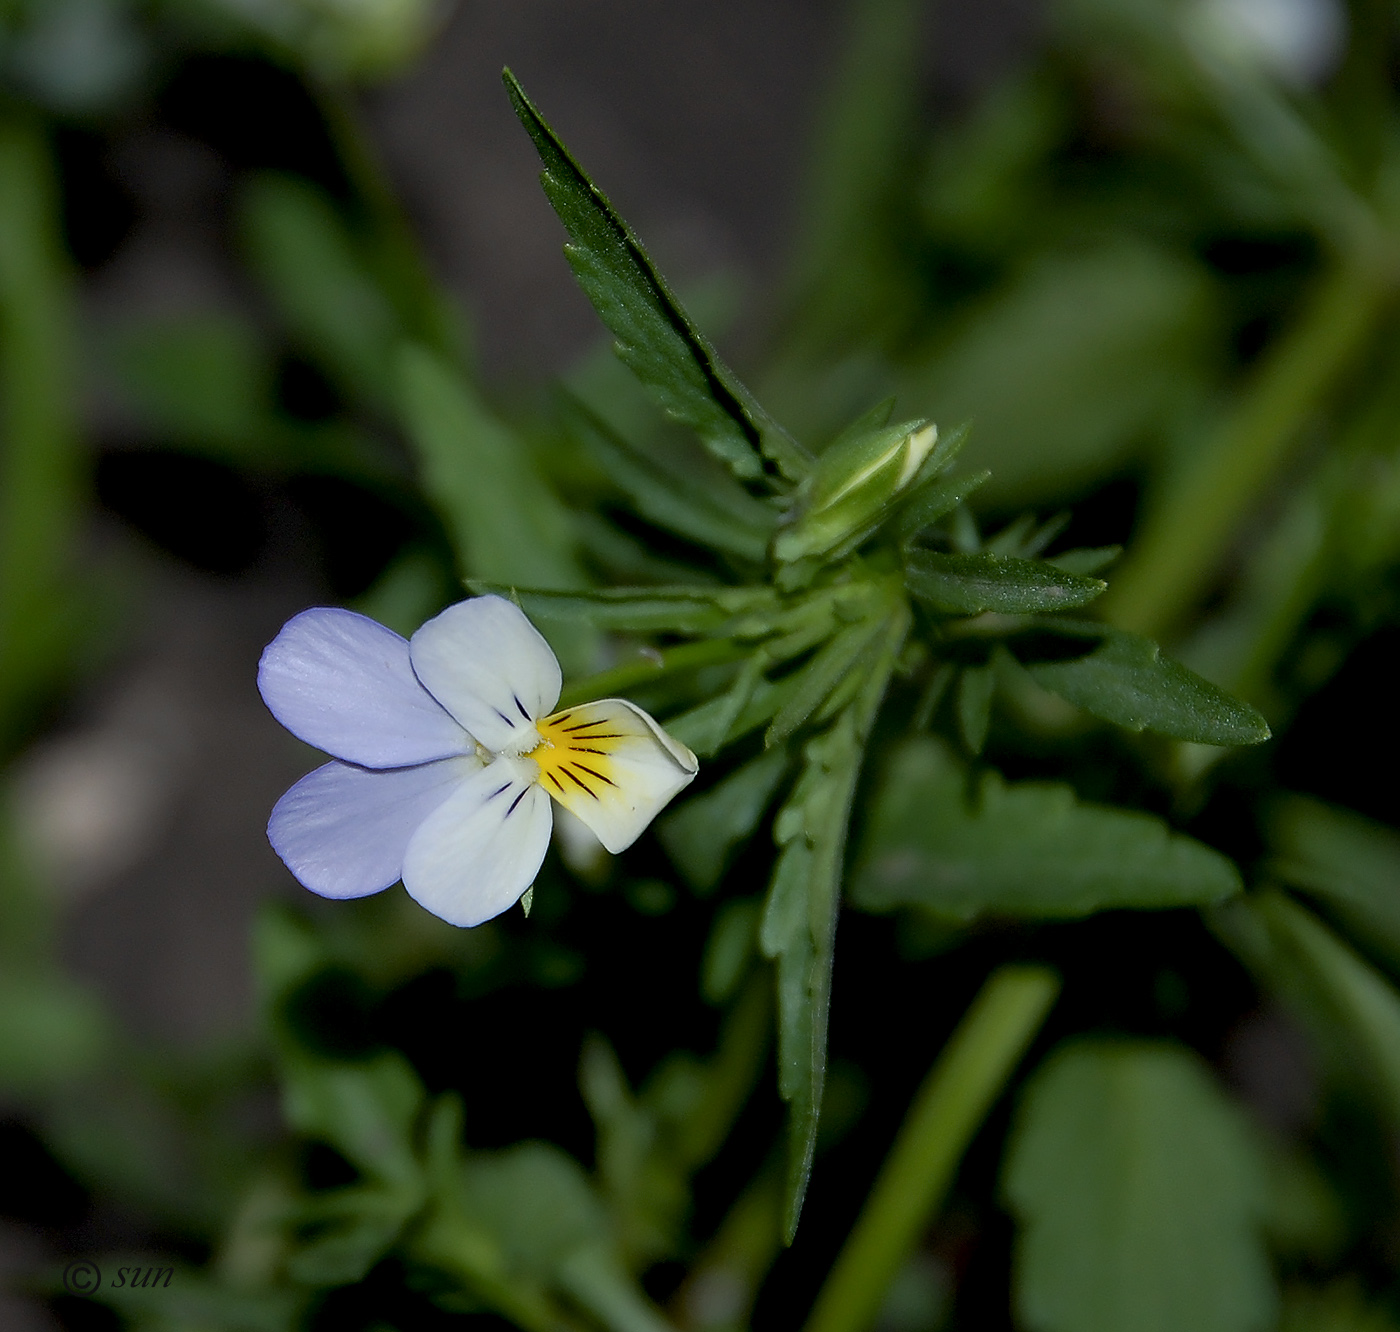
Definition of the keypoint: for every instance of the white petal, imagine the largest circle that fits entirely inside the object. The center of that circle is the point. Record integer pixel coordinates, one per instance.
(482, 847)
(344, 683)
(490, 668)
(343, 830)
(612, 766)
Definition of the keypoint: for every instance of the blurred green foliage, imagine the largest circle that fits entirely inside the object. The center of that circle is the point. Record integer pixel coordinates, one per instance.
(1151, 274)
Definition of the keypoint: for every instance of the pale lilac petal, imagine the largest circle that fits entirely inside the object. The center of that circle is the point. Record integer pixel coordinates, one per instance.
(481, 848)
(490, 668)
(344, 683)
(613, 767)
(343, 830)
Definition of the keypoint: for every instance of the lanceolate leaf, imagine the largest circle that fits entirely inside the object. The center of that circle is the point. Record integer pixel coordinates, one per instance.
(750, 702)
(1127, 681)
(1139, 1193)
(821, 675)
(798, 931)
(970, 584)
(678, 610)
(936, 500)
(655, 336)
(799, 918)
(1022, 848)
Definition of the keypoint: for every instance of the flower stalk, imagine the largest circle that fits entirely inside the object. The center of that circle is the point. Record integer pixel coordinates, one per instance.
(946, 1112)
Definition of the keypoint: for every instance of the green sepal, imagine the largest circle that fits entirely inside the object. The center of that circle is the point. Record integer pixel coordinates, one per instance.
(954, 584)
(655, 336)
(1127, 681)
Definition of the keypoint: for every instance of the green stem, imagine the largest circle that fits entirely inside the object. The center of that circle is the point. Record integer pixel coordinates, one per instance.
(947, 1111)
(1170, 565)
(40, 468)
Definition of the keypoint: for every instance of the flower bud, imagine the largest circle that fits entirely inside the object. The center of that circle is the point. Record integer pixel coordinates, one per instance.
(854, 480)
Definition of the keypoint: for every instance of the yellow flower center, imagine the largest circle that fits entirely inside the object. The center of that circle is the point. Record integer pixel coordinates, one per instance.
(574, 753)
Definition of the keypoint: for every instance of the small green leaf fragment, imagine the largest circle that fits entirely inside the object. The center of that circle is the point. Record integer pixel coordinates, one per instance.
(731, 946)
(1027, 849)
(1350, 1007)
(1127, 681)
(926, 505)
(1345, 861)
(366, 1111)
(956, 584)
(975, 687)
(1139, 1192)
(679, 609)
(699, 835)
(709, 727)
(1086, 560)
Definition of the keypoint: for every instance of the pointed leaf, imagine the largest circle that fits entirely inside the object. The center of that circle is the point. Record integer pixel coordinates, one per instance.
(730, 520)
(816, 680)
(975, 687)
(1127, 681)
(798, 926)
(676, 610)
(970, 584)
(936, 500)
(655, 336)
(1086, 559)
(1139, 1191)
(1021, 848)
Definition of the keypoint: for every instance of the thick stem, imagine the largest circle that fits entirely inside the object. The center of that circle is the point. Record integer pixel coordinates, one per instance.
(963, 1085)
(1170, 565)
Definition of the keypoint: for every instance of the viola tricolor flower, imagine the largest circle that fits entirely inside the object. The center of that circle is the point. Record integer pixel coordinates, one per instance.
(446, 755)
